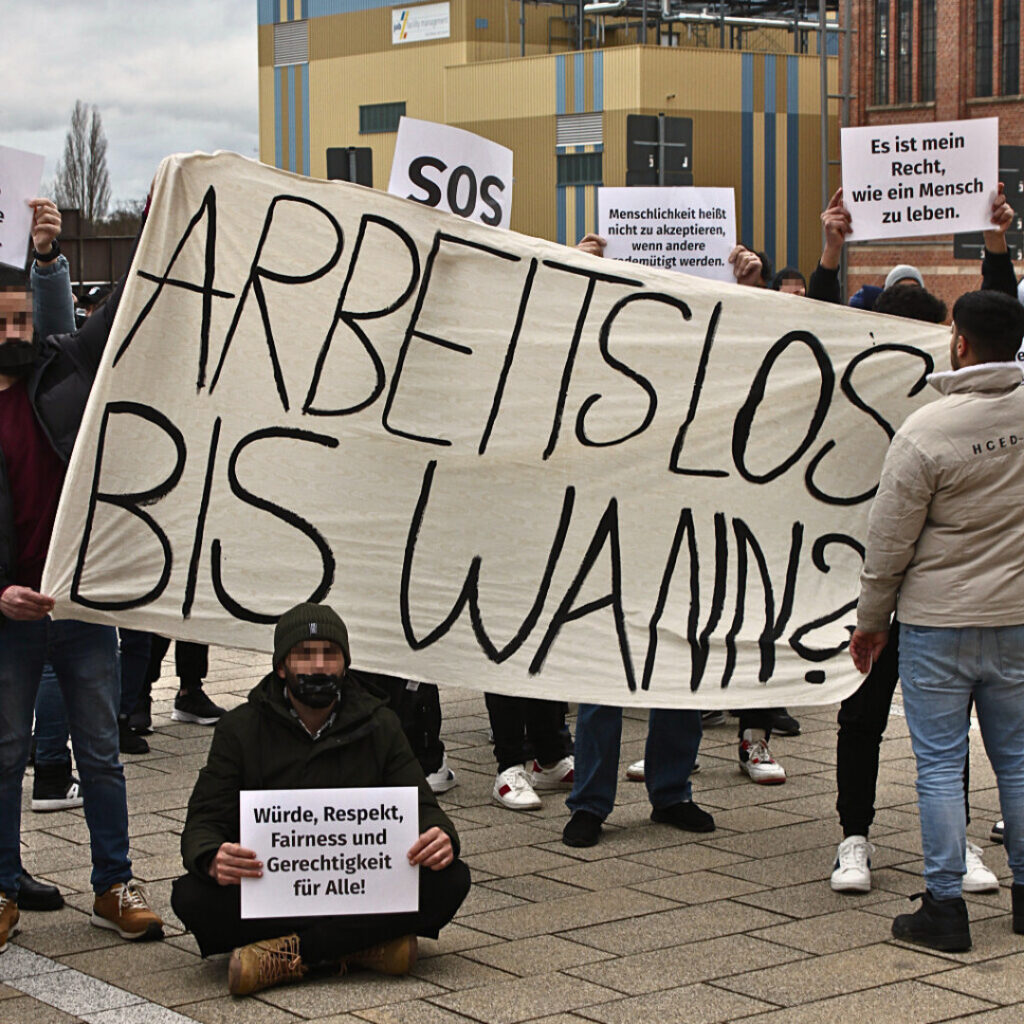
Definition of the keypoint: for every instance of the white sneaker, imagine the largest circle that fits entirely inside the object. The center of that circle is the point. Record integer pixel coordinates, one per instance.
(635, 772)
(442, 780)
(512, 789)
(757, 761)
(559, 776)
(852, 869)
(977, 877)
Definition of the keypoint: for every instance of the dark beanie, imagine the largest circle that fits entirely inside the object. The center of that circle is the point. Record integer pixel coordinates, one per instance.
(309, 622)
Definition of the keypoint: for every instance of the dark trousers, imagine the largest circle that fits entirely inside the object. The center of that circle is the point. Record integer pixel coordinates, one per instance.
(863, 717)
(419, 712)
(526, 727)
(212, 913)
(135, 646)
(191, 661)
(757, 718)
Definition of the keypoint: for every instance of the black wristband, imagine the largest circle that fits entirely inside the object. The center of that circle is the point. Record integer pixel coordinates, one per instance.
(47, 257)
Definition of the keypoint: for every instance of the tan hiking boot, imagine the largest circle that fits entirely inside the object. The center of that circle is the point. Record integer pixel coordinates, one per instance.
(124, 908)
(9, 918)
(395, 957)
(260, 965)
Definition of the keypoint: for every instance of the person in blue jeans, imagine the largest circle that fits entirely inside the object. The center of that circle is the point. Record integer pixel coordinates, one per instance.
(44, 386)
(946, 535)
(673, 738)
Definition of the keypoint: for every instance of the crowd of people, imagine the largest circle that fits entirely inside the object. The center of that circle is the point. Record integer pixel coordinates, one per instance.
(945, 538)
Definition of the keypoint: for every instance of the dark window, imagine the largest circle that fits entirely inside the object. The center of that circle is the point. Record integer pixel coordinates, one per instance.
(905, 51)
(882, 52)
(983, 48)
(926, 57)
(1011, 48)
(579, 169)
(380, 117)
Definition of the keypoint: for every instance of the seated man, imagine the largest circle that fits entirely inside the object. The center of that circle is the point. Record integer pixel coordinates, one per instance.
(307, 726)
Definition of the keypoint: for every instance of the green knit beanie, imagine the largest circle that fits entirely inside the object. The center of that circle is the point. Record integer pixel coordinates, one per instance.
(309, 622)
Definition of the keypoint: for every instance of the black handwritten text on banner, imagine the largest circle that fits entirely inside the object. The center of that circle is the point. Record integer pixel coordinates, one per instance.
(508, 464)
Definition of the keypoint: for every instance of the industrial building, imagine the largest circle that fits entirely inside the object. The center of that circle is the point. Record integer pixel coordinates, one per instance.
(556, 82)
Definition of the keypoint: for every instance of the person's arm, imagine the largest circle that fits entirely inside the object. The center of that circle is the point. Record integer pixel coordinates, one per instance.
(53, 304)
(997, 272)
(402, 769)
(896, 520)
(836, 224)
(212, 816)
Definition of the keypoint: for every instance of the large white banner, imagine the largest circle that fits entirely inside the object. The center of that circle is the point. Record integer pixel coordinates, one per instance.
(508, 464)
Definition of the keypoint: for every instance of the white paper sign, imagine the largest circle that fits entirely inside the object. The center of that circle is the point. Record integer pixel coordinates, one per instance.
(415, 24)
(454, 170)
(689, 230)
(330, 851)
(20, 175)
(507, 464)
(934, 178)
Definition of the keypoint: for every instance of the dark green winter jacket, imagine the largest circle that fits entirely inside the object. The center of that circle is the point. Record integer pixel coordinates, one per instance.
(261, 745)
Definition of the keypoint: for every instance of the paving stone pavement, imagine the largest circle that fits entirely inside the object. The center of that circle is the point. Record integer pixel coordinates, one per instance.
(650, 925)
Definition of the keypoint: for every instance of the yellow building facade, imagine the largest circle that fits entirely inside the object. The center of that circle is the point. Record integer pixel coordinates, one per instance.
(338, 73)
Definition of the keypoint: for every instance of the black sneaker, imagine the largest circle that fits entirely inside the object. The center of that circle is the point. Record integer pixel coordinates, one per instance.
(686, 815)
(128, 741)
(582, 829)
(54, 788)
(33, 895)
(783, 723)
(937, 924)
(710, 718)
(141, 719)
(996, 835)
(194, 706)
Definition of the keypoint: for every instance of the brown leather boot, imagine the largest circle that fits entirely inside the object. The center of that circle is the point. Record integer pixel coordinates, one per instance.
(395, 957)
(9, 918)
(260, 965)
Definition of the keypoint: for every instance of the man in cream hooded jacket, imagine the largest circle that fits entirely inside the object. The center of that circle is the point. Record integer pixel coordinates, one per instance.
(946, 538)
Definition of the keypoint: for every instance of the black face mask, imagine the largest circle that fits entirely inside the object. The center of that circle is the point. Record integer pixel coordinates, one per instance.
(17, 357)
(318, 690)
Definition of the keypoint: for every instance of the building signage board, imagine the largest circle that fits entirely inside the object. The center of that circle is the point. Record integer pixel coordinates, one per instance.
(418, 24)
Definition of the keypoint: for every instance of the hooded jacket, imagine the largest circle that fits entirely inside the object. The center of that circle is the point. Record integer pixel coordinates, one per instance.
(262, 745)
(946, 528)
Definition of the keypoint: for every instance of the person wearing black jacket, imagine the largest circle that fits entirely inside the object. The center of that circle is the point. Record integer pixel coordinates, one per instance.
(307, 725)
(44, 387)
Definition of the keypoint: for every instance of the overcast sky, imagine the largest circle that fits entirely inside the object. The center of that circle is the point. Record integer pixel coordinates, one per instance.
(168, 76)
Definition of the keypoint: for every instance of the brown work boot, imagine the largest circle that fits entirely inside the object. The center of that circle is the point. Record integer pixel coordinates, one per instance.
(123, 908)
(9, 918)
(260, 965)
(395, 957)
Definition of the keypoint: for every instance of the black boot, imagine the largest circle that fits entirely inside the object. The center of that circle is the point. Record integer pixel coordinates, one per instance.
(1017, 895)
(33, 895)
(128, 741)
(938, 924)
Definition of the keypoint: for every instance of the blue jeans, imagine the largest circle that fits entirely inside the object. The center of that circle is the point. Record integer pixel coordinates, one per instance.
(84, 657)
(672, 741)
(939, 670)
(51, 722)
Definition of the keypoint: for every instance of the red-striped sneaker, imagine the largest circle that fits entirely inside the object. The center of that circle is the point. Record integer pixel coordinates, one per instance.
(512, 789)
(558, 776)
